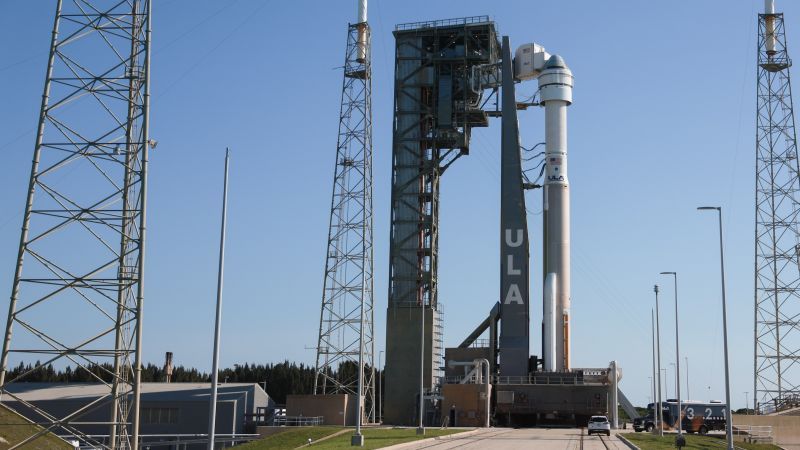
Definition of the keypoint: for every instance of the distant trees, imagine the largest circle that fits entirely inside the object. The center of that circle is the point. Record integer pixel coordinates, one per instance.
(281, 379)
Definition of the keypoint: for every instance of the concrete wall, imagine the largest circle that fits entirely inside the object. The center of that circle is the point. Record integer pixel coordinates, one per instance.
(785, 429)
(401, 387)
(469, 401)
(336, 409)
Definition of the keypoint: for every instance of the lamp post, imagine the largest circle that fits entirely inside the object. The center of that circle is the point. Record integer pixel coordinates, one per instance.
(658, 374)
(746, 402)
(654, 378)
(380, 389)
(688, 392)
(677, 352)
(728, 418)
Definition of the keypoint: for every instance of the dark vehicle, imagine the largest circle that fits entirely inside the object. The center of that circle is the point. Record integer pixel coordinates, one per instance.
(697, 417)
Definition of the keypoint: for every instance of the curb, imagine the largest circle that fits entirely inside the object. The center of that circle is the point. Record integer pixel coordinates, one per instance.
(437, 438)
(625, 441)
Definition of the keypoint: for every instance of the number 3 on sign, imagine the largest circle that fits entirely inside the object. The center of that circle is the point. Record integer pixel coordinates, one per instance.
(690, 413)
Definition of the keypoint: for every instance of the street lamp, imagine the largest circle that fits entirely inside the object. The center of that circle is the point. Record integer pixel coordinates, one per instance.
(658, 374)
(654, 378)
(746, 400)
(677, 363)
(688, 392)
(728, 417)
(380, 389)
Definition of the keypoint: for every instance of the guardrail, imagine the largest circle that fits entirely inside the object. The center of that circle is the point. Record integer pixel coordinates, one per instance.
(297, 421)
(550, 378)
(177, 441)
(442, 23)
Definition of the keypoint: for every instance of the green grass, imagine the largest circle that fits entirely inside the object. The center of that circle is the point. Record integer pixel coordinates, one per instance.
(292, 438)
(647, 441)
(373, 438)
(11, 433)
(383, 437)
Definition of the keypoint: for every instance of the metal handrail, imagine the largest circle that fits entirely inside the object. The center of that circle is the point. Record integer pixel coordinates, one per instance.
(298, 421)
(442, 23)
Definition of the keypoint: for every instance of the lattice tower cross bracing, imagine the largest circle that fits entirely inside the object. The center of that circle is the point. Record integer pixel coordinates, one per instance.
(83, 232)
(777, 231)
(435, 109)
(347, 319)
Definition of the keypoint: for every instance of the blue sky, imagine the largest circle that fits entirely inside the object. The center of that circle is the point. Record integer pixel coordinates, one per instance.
(663, 121)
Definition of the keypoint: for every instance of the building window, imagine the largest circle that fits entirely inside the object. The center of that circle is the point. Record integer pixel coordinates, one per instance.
(156, 416)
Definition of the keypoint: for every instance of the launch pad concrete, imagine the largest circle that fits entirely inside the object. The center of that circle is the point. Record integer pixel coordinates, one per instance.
(523, 438)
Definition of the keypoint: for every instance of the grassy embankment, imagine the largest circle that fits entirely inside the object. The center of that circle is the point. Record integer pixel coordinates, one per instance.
(693, 442)
(373, 438)
(14, 429)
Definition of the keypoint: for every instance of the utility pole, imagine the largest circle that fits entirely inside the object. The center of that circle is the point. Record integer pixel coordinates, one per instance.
(658, 361)
(212, 401)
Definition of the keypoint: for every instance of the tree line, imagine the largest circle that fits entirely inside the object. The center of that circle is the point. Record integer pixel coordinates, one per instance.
(280, 379)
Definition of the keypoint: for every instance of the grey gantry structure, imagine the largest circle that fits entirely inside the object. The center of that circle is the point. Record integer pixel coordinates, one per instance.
(77, 299)
(346, 329)
(437, 101)
(777, 231)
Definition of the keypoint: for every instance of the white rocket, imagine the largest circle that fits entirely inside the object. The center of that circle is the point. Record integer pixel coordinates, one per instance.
(555, 90)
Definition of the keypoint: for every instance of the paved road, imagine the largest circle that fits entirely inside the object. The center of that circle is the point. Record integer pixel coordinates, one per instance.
(538, 438)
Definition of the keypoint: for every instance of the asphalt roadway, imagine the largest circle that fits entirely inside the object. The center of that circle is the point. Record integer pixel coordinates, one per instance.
(523, 438)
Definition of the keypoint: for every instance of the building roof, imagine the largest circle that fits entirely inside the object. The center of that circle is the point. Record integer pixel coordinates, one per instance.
(150, 391)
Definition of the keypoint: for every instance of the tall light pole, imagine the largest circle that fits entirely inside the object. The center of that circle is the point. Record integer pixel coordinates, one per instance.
(728, 418)
(688, 392)
(675, 385)
(658, 374)
(380, 389)
(653, 348)
(212, 402)
(677, 352)
(746, 402)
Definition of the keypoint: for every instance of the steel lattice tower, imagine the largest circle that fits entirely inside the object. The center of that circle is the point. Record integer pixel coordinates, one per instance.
(77, 300)
(346, 318)
(777, 238)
